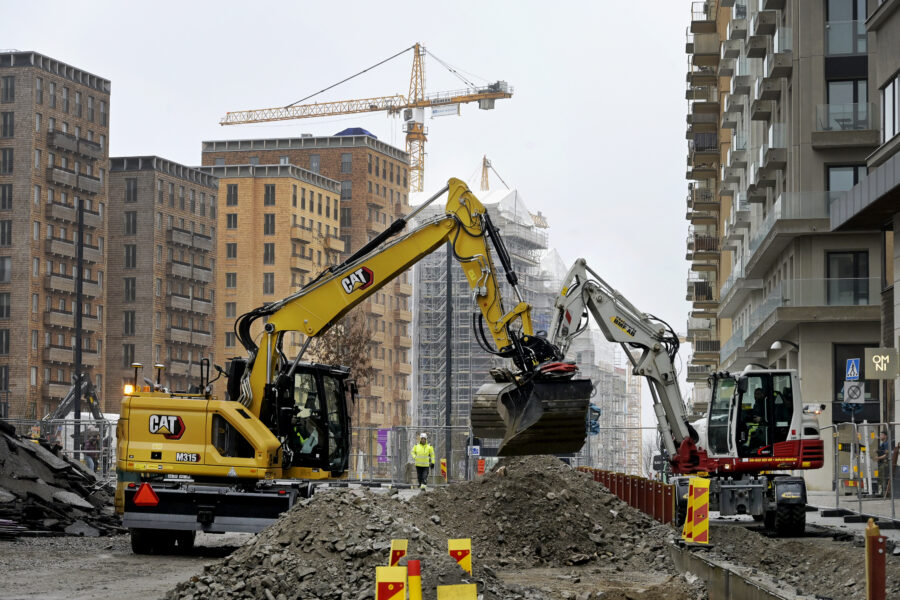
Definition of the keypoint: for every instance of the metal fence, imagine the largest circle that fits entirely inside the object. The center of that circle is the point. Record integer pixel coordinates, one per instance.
(97, 440)
(385, 454)
(863, 483)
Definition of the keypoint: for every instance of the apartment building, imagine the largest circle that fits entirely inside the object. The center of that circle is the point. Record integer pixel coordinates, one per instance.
(54, 126)
(874, 203)
(786, 291)
(161, 270)
(278, 228)
(469, 363)
(373, 190)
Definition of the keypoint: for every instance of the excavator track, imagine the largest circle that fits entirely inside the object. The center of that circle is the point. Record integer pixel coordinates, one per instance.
(542, 416)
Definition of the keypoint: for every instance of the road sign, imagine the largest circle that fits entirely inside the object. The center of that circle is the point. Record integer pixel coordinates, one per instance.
(852, 369)
(659, 463)
(854, 393)
(881, 363)
(474, 450)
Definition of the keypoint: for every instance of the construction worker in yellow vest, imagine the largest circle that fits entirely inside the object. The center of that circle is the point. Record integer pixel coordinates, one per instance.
(423, 454)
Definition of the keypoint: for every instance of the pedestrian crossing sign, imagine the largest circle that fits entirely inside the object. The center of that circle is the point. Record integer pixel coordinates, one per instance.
(852, 369)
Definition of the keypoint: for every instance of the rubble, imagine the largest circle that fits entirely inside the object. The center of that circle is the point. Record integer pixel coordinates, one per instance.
(536, 512)
(42, 492)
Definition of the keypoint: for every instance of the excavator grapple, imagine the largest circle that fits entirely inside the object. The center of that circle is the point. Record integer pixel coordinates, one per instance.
(540, 416)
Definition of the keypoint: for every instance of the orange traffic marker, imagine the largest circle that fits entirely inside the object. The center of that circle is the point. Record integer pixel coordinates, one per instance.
(398, 551)
(390, 583)
(444, 469)
(414, 574)
(461, 551)
(700, 526)
(465, 591)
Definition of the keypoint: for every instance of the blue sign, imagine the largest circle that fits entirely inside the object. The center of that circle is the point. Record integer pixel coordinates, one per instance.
(474, 450)
(852, 369)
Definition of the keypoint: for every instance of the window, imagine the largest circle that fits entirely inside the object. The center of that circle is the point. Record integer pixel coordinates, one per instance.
(294, 197)
(6, 233)
(6, 196)
(845, 28)
(127, 355)
(302, 198)
(131, 190)
(269, 195)
(193, 206)
(346, 190)
(37, 122)
(130, 222)
(8, 88)
(229, 339)
(842, 178)
(268, 254)
(181, 197)
(231, 195)
(4, 305)
(130, 289)
(314, 163)
(346, 162)
(220, 162)
(37, 159)
(128, 325)
(4, 341)
(52, 95)
(65, 100)
(231, 221)
(90, 110)
(231, 280)
(172, 195)
(130, 256)
(320, 204)
(848, 278)
(77, 104)
(231, 250)
(890, 109)
(283, 160)
(269, 224)
(6, 124)
(847, 107)
(346, 220)
(369, 162)
(103, 112)
(230, 310)
(38, 90)
(268, 283)
(6, 161)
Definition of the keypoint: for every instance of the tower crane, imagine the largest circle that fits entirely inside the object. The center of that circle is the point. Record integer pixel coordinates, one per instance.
(411, 108)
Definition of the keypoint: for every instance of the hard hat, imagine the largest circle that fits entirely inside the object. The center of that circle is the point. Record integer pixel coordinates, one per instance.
(422, 435)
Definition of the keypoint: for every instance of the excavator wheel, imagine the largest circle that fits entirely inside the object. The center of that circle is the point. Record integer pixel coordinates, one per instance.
(542, 416)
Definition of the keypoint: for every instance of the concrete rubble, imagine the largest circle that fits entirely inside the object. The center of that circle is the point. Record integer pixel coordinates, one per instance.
(529, 514)
(45, 492)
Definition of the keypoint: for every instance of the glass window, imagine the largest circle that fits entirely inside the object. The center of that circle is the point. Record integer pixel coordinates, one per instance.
(268, 283)
(890, 109)
(848, 278)
(314, 163)
(130, 222)
(231, 195)
(269, 224)
(346, 162)
(131, 190)
(7, 122)
(268, 254)
(231, 221)
(8, 88)
(231, 280)
(231, 250)
(269, 195)
(228, 441)
(130, 289)
(845, 27)
(230, 310)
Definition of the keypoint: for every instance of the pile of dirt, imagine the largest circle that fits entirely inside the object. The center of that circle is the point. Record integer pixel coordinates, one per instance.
(824, 566)
(43, 491)
(530, 512)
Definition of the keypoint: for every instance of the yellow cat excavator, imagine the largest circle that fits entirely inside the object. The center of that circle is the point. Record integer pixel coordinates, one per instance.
(194, 462)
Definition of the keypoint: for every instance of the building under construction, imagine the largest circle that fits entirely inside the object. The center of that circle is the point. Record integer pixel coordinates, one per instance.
(525, 236)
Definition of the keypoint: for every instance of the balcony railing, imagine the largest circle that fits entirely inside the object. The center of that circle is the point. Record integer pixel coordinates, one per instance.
(845, 117)
(706, 243)
(734, 342)
(793, 205)
(845, 37)
(705, 346)
(704, 93)
(783, 40)
(737, 272)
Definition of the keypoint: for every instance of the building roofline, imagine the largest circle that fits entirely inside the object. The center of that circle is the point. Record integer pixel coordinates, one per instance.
(125, 164)
(16, 58)
(305, 143)
(872, 202)
(292, 171)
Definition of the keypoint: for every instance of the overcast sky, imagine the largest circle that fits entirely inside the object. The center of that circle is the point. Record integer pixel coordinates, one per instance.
(593, 136)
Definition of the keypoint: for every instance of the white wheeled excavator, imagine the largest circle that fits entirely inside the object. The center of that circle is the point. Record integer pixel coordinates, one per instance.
(755, 425)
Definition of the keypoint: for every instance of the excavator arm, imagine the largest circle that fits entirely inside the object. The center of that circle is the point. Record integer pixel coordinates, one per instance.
(649, 343)
(467, 227)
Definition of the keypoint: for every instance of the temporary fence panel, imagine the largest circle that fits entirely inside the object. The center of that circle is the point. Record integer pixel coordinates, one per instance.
(98, 440)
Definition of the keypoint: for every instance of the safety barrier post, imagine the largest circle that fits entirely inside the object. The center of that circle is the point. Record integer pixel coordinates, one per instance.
(669, 504)
(642, 494)
(635, 498)
(875, 558)
(390, 583)
(398, 551)
(414, 576)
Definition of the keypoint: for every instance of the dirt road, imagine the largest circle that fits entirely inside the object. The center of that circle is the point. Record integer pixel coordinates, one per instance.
(57, 568)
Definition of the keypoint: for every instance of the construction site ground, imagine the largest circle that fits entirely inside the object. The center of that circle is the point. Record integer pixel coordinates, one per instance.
(539, 530)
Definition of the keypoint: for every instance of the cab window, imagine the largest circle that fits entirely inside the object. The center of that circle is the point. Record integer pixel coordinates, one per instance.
(228, 441)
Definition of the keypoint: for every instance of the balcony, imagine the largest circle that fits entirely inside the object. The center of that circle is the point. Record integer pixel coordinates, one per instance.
(703, 217)
(706, 49)
(58, 176)
(731, 174)
(703, 17)
(88, 184)
(731, 49)
(54, 318)
(180, 237)
(701, 197)
(761, 110)
(773, 154)
(704, 148)
(740, 85)
(771, 4)
(178, 269)
(732, 238)
(66, 355)
(778, 66)
(373, 308)
(181, 336)
(701, 75)
(702, 294)
(301, 234)
(402, 368)
(705, 350)
(696, 325)
(846, 125)
(737, 154)
(403, 289)
(731, 119)
(845, 38)
(202, 274)
(66, 284)
(63, 141)
(736, 290)
(791, 215)
(334, 244)
(735, 342)
(91, 150)
(734, 104)
(705, 246)
(201, 306)
(757, 46)
(737, 26)
(768, 89)
(57, 390)
(403, 315)
(176, 302)
(202, 242)
(740, 211)
(764, 22)
(726, 67)
(179, 368)
(698, 373)
(402, 341)
(301, 263)
(68, 214)
(822, 300)
(201, 338)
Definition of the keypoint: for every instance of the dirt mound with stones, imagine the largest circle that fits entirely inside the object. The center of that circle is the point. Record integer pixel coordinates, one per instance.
(825, 565)
(531, 512)
(43, 491)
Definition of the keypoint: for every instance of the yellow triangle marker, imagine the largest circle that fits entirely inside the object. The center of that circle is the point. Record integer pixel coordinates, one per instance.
(390, 583)
(398, 551)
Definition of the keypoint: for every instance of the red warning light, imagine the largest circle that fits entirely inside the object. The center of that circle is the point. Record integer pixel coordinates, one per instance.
(145, 496)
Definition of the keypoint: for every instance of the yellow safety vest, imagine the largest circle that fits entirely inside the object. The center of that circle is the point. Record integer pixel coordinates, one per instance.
(423, 455)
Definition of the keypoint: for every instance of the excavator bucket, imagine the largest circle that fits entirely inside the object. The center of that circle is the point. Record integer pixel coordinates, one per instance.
(543, 416)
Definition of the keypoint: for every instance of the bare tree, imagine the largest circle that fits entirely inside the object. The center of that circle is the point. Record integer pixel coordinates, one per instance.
(347, 344)
(649, 448)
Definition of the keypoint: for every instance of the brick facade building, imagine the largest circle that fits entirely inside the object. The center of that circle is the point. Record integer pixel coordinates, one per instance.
(373, 179)
(54, 126)
(161, 270)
